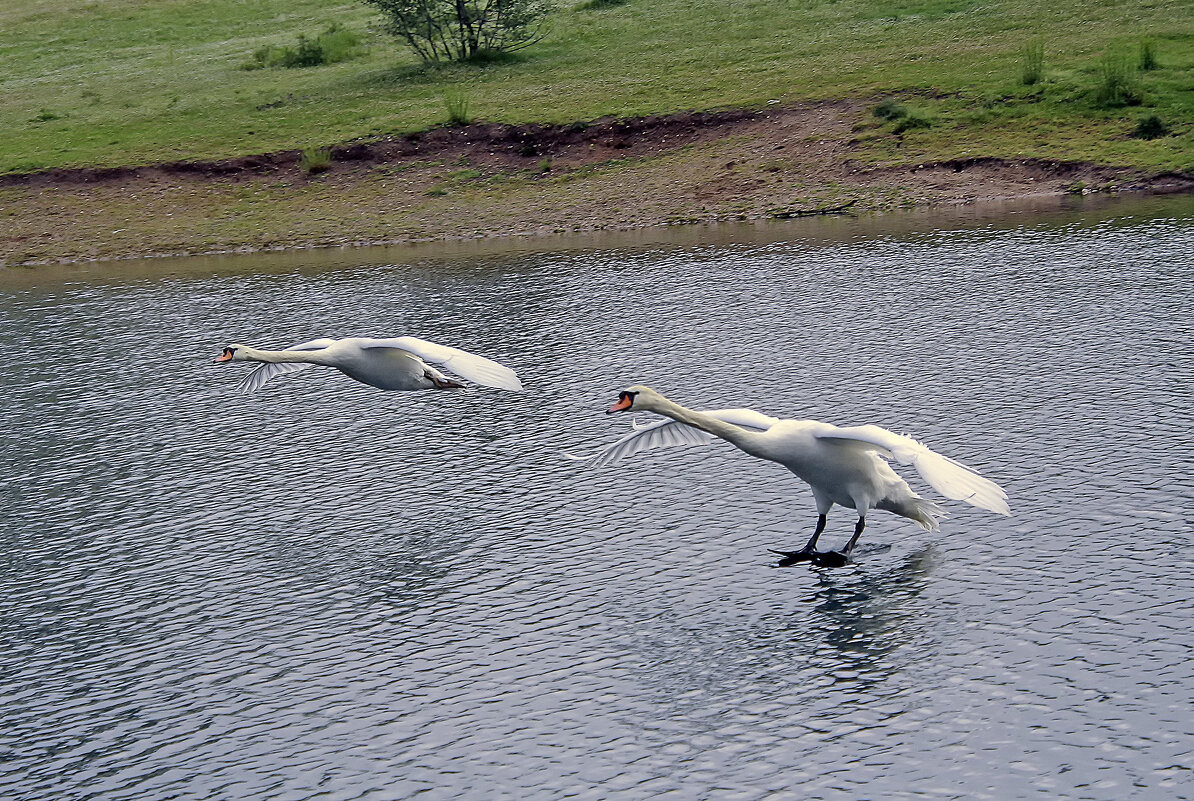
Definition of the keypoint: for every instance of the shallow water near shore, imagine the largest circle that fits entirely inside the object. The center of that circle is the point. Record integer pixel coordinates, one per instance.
(326, 591)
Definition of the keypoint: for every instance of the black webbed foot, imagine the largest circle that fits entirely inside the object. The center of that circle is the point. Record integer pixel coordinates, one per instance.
(818, 558)
(794, 557)
(831, 559)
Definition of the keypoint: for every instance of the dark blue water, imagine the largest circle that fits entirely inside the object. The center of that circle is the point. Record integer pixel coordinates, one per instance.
(326, 591)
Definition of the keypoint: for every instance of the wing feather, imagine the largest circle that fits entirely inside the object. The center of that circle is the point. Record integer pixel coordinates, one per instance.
(475, 368)
(952, 479)
(260, 375)
(669, 433)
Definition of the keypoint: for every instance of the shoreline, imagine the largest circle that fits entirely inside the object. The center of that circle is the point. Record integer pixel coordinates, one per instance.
(486, 181)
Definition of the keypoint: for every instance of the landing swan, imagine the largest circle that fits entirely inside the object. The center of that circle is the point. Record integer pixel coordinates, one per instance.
(846, 466)
(398, 363)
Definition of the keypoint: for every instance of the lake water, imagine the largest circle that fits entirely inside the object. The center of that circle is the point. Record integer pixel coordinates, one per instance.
(324, 591)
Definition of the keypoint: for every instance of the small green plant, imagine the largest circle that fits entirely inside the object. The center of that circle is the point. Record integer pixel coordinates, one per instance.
(544, 165)
(333, 45)
(315, 160)
(905, 119)
(889, 109)
(1032, 65)
(456, 102)
(1147, 55)
(339, 44)
(912, 119)
(597, 5)
(1118, 85)
(1150, 127)
(46, 116)
(308, 53)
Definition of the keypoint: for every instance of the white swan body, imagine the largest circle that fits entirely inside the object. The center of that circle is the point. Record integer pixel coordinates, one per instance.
(397, 363)
(843, 466)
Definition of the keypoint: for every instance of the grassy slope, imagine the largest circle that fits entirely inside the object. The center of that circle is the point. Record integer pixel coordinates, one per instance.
(91, 82)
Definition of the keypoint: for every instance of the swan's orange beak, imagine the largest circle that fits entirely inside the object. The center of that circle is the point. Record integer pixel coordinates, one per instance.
(624, 403)
(226, 356)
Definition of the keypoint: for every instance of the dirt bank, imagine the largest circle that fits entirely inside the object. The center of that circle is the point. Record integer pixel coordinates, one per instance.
(487, 180)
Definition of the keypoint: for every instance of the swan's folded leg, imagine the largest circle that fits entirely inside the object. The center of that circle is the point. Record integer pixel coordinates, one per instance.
(441, 381)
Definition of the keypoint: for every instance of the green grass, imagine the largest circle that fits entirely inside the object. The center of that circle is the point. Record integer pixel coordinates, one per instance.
(138, 81)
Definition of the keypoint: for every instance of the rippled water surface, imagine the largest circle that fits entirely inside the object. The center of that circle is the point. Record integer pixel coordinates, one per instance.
(326, 591)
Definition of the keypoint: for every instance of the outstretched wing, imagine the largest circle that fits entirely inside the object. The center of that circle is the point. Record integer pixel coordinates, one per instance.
(952, 479)
(258, 378)
(669, 434)
(475, 368)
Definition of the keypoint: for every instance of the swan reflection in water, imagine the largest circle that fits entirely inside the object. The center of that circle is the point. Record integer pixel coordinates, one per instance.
(862, 620)
(846, 634)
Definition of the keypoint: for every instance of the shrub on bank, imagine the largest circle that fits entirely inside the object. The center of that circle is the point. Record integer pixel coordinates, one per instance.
(1150, 127)
(333, 45)
(462, 30)
(1118, 85)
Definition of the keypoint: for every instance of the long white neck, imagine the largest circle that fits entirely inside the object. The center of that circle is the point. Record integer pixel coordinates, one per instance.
(735, 435)
(279, 356)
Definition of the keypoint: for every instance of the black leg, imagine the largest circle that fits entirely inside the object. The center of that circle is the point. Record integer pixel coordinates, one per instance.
(858, 527)
(842, 557)
(812, 543)
(805, 554)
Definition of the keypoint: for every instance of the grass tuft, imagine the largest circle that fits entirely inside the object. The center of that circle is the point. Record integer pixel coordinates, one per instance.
(315, 160)
(1147, 56)
(456, 102)
(890, 109)
(905, 119)
(1032, 65)
(1150, 127)
(913, 119)
(1118, 85)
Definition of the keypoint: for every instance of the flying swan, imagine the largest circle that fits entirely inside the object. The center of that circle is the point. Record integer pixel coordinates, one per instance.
(398, 363)
(846, 466)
